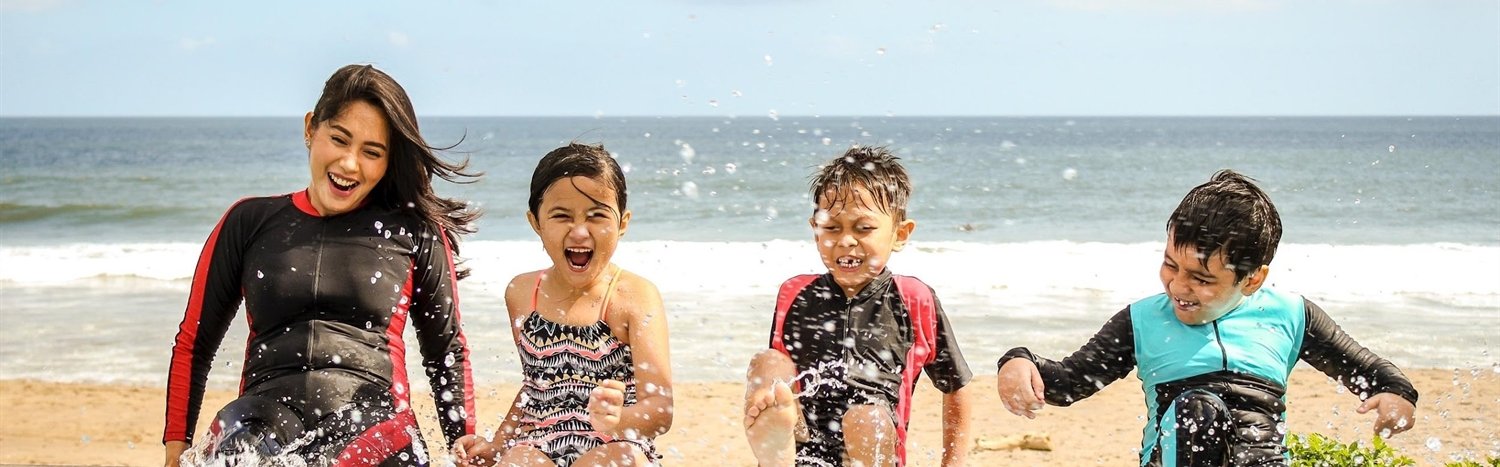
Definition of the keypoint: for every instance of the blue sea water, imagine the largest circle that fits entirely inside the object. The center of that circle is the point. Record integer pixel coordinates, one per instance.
(1032, 230)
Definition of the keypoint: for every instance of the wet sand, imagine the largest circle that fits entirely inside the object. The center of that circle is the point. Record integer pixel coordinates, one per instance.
(101, 424)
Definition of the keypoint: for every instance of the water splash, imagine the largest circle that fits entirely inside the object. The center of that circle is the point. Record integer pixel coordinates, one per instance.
(246, 454)
(813, 379)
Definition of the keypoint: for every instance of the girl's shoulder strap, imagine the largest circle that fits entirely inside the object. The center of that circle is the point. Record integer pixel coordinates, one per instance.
(537, 290)
(609, 291)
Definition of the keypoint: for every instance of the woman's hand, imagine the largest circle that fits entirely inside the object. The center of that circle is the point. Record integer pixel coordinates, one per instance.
(174, 453)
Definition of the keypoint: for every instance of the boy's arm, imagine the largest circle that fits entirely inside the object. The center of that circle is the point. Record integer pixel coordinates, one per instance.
(957, 439)
(1327, 348)
(948, 370)
(950, 374)
(1108, 356)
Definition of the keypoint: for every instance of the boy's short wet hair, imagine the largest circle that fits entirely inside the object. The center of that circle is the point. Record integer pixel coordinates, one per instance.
(874, 168)
(1230, 214)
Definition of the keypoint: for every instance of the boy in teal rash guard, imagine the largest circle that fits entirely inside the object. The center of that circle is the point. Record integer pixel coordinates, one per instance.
(1215, 350)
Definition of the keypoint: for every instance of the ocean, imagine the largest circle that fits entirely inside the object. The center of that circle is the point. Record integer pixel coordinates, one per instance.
(1033, 231)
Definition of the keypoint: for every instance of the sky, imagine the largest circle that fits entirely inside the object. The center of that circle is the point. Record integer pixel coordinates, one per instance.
(761, 57)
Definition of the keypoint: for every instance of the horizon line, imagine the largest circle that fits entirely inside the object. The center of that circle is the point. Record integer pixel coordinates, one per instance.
(813, 116)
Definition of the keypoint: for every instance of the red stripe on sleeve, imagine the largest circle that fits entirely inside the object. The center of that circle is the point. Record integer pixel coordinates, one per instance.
(920, 309)
(789, 291)
(180, 373)
(469, 411)
(396, 346)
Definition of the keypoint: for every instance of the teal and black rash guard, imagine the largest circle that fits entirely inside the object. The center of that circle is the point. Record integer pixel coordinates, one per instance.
(1243, 358)
(327, 300)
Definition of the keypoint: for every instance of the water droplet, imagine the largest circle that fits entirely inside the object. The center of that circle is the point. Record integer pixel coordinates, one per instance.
(259, 275)
(736, 93)
(1069, 174)
(379, 225)
(1434, 444)
(713, 102)
(880, 51)
(730, 168)
(1392, 148)
(774, 115)
(689, 189)
(768, 59)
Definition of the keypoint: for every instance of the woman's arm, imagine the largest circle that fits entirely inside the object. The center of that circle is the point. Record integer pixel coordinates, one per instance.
(213, 300)
(445, 353)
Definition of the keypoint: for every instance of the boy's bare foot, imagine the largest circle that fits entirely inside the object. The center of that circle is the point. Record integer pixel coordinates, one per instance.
(770, 424)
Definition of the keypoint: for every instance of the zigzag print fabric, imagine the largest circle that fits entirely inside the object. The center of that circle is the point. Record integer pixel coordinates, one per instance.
(561, 364)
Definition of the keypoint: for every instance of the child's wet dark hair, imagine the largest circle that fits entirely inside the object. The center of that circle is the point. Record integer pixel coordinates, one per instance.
(874, 168)
(577, 160)
(1230, 214)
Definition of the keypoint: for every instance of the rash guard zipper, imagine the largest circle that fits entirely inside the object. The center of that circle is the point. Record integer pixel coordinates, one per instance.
(1220, 340)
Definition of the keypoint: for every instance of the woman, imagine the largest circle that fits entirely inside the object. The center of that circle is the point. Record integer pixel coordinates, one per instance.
(329, 277)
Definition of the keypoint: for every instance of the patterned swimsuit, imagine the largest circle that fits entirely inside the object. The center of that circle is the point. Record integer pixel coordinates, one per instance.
(561, 365)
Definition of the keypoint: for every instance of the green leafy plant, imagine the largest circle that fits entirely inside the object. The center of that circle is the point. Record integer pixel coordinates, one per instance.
(1488, 462)
(1315, 450)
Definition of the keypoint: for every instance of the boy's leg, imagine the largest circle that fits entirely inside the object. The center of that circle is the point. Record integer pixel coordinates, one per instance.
(870, 435)
(771, 412)
(1204, 429)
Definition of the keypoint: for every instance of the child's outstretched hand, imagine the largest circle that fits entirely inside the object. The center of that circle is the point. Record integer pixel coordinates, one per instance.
(1021, 387)
(1393, 414)
(606, 403)
(472, 450)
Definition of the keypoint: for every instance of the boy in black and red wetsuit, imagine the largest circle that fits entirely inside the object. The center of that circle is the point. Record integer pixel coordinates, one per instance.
(861, 335)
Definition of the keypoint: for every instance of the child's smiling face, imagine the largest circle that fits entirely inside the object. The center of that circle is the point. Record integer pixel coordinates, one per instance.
(1201, 293)
(855, 236)
(580, 226)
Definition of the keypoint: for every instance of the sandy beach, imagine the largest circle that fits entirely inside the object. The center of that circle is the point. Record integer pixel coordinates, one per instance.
(97, 424)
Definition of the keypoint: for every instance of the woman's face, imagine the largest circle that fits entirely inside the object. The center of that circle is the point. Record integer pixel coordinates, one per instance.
(580, 224)
(347, 155)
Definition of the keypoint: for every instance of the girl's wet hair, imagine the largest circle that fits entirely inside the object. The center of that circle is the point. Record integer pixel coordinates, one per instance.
(874, 168)
(577, 160)
(407, 184)
(1229, 214)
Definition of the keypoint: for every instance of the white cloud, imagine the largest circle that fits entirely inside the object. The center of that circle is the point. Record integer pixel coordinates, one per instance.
(398, 39)
(29, 6)
(1166, 6)
(194, 43)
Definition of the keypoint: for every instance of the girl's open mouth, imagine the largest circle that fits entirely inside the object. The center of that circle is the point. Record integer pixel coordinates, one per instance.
(578, 258)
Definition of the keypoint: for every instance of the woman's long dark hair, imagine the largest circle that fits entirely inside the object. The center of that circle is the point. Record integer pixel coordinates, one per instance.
(408, 182)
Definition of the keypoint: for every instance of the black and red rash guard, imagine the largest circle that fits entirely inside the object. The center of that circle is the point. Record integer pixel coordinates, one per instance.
(327, 300)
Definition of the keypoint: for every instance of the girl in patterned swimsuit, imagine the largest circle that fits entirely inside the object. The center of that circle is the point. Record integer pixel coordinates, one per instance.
(592, 337)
